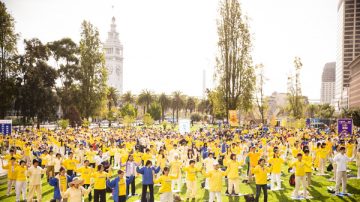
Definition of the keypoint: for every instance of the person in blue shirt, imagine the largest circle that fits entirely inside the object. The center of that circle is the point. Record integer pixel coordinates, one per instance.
(148, 173)
(119, 187)
(55, 182)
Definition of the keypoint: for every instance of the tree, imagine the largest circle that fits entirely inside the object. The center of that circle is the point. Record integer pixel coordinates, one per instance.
(260, 100)
(216, 106)
(177, 103)
(148, 120)
(355, 115)
(63, 123)
(8, 51)
(128, 98)
(155, 111)
(164, 102)
(195, 117)
(145, 99)
(112, 101)
(128, 110)
(190, 105)
(92, 71)
(296, 101)
(74, 116)
(37, 96)
(66, 54)
(234, 69)
(326, 111)
(128, 120)
(312, 110)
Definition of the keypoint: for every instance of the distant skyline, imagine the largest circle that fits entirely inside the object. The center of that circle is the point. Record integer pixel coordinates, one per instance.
(168, 43)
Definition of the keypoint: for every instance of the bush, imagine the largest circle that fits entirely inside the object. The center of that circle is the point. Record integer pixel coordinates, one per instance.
(148, 120)
(85, 123)
(74, 117)
(195, 117)
(128, 120)
(128, 110)
(155, 111)
(63, 123)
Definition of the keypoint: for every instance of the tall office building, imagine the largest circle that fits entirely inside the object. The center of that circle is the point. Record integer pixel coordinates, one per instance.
(348, 47)
(114, 58)
(328, 83)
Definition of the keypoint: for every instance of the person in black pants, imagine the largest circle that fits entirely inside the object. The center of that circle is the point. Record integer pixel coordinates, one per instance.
(132, 183)
(261, 172)
(147, 179)
(100, 184)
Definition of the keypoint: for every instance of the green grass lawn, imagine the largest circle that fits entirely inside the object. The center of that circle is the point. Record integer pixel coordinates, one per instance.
(318, 190)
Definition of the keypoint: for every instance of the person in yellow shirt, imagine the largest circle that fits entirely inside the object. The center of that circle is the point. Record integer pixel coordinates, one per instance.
(11, 175)
(119, 187)
(70, 164)
(175, 169)
(85, 173)
(260, 172)
(215, 181)
(299, 165)
(165, 190)
(20, 185)
(100, 183)
(276, 164)
(308, 160)
(322, 158)
(232, 171)
(191, 186)
(146, 156)
(90, 156)
(253, 157)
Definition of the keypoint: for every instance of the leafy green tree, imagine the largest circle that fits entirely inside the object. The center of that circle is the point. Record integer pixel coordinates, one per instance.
(190, 105)
(177, 104)
(37, 95)
(128, 120)
(128, 98)
(355, 115)
(234, 69)
(112, 101)
(326, 111)
(128, 110)
(74, 116)
(295, 99)
(312, 110)
(148, 120)
(195, 117)
(145, 98)
(92, 71)
(8, 54)
(155, 111)
(63, 123)
(164, 102)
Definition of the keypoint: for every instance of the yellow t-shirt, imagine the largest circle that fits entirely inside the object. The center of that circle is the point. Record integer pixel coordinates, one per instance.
(233, 169)
(261, 174)
(165, 182)
(308, 162)
(215, 180)
(90, 156)
(20, 173)
(70, 164)
(63, 183)
(276, 164)
(175, 167)
(191, 172)
(299, 168)
(122, 187)
(85, 173)
(254, 158)
(11, 171)
(100, 179)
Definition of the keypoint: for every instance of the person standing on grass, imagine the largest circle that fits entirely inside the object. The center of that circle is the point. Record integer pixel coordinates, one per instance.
(119, 187)
(85, 173)
(100, 183)
(260, 172)
(20, 185)
(165, 191)
(215, 177)
(148, 172)
(308, 169)
(175, 169)
(341, 160)
(35, 172)
(233, 174)
(60, 183)
(130, 171)
(276, 165)
(300, 167)
(191, 186)
(76, 191)
(253, 157)
(11, 175)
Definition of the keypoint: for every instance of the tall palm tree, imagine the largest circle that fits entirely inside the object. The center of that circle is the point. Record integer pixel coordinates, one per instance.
(145, 98)
(112, 97)
(190, 105)
(164, 102)
(128, 97)
(177, 103)
(312, 110)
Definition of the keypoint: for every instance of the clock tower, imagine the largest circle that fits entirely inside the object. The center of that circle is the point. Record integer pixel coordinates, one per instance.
(114, 58)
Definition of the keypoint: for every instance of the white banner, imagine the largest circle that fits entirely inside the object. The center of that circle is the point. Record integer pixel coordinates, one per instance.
(184, 126)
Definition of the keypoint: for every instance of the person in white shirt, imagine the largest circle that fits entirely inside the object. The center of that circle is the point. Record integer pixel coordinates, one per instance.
(50, 164)
(341, 161)
(57, 163)
(34, 173)
(76, 191)
(209, 166)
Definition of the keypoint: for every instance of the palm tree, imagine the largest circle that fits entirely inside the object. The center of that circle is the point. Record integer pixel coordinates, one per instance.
(128, 97)
(190, 105)
(312, 110)
(112, 97)
(145, 99)
(177, 103)
(164, 102)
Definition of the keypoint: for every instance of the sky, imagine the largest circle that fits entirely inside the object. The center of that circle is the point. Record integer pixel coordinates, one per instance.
(168, 43)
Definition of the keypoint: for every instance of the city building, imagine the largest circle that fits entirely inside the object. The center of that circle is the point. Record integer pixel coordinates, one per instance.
(276, 103)
(328, 83)
(114, 58)
(354, 89)
(348, 48)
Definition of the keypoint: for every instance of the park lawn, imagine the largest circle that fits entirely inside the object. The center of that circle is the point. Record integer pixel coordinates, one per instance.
(318, 190)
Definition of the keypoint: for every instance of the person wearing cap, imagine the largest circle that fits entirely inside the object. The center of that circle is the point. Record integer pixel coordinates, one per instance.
(165, 191)
(35, 172)
(11, 175)
(119, 186)
(76, 191)
(215, 177)
(60, 183)
(260, 172)
(20, 185)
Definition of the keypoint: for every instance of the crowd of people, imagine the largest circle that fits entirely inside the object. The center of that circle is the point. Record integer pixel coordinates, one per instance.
(88, 163)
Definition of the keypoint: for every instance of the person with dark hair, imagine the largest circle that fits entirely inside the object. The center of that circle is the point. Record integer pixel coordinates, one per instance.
(60, 183)
(175, 169)
(165, 189)
(191, 186)
(70, 164)
(260, 172)
(20, 185)
(215, 177)
(276, 163)
(119, 187)
(100, 183)
(208, 164)
(11, 175)
(341, 160)
(148, 172)
(300, 167)
(253, 157)
(35, 172)
(85, 173)
(130, 169)
(232, 171)
(308, 160)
